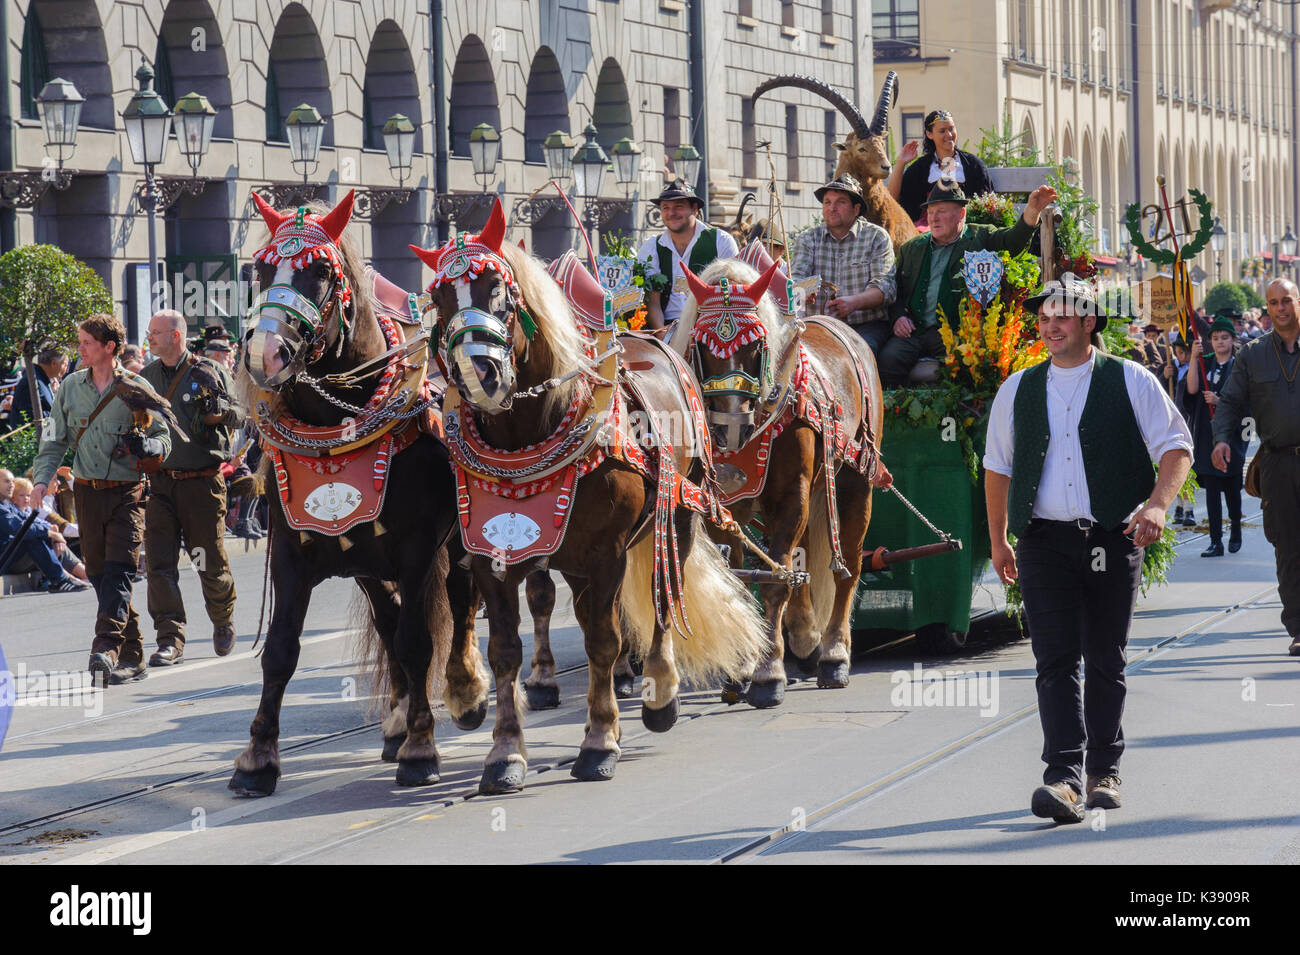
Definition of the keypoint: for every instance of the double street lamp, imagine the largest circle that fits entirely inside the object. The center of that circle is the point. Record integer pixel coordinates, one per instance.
(148, 122)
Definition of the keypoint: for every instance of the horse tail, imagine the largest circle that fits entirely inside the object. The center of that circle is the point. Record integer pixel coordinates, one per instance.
(821, 579)
(373, 657)
(369, 652)
(728, 635)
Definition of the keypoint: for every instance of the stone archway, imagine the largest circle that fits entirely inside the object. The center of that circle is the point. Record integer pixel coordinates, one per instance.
(297, 73)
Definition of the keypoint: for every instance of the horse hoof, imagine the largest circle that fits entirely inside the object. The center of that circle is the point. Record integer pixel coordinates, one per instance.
(733, 691)
(472, 718)
(833, 675)
(417, 772)
(503, 777)
(259, 782)
(542, 697)
(391, 745)
(662, 719)
(806, 665)
(624, 687)
(763, 696)
(595, 765)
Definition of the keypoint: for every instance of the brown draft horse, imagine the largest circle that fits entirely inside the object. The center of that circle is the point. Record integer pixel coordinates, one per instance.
(508, 339)
(764, 376)
(316, 319)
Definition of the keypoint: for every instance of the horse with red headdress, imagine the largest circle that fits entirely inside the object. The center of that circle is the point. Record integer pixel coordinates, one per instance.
(795, 411)
(334, 379)
(562, 480)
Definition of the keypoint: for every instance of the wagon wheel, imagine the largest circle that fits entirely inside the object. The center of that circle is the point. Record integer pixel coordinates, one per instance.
(938, 639)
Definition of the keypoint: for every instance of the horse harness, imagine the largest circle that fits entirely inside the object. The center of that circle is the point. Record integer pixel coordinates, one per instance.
(514, 505)
(795, 390)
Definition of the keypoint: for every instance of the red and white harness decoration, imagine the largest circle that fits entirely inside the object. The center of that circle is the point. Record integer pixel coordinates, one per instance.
(304, 237)
(727, 320)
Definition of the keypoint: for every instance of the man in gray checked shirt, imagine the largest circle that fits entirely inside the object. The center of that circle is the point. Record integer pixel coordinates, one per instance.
(852, 255)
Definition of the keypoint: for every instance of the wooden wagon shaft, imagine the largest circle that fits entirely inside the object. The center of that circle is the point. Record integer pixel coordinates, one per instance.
(795, 578)
(881, 558)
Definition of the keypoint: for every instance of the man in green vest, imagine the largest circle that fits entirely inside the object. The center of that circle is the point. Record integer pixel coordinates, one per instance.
(1068, 472)
(929, 274)
(686, 238)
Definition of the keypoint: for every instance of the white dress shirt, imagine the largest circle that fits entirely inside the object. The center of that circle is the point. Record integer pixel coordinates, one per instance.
(1063, 488)
(649, 253)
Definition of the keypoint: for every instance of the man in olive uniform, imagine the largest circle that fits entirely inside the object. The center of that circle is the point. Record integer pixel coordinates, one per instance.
(187, 500)
(1263, 386)
(91, 413)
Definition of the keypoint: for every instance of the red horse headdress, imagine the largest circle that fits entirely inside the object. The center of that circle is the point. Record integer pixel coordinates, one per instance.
(728, 314)
(466, 256)
(302, 237)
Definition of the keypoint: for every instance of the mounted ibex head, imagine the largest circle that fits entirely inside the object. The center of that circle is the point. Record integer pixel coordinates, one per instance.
(863, 153)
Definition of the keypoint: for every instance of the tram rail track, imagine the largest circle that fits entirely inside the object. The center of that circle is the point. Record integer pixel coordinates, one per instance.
(749, 848)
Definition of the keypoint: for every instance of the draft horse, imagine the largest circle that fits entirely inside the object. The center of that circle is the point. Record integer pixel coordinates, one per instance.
(334, 378)
(795, 412)
(537, 425)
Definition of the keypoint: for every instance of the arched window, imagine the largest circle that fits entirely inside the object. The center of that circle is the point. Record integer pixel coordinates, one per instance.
(390, 86)
(296, 74)
(547, 107)
(613, 113)
(473, 95)
(35, 66)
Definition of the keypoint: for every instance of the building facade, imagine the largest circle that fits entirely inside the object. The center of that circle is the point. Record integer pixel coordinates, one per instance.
(1202, 92)
(662, 73)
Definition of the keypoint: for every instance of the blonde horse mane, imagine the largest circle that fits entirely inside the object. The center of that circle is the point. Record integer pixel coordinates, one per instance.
(779, 328)
(555, 322)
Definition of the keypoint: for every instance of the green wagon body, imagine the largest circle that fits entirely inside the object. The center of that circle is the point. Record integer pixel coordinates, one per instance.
(932, 473)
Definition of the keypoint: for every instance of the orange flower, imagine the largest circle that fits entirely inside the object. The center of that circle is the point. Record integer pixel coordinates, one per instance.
(636, 320)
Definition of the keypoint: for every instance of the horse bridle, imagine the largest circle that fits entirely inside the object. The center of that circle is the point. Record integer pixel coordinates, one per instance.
(300, 323)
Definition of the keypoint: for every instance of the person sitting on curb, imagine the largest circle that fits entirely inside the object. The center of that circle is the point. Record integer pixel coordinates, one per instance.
(41, 544)
(22, 498)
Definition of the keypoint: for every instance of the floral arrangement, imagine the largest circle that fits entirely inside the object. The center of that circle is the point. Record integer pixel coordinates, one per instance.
(993, 209)
(988, 344)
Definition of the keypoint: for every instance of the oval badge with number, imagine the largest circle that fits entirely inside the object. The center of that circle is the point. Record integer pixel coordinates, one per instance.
(511, 531)
(332, 501)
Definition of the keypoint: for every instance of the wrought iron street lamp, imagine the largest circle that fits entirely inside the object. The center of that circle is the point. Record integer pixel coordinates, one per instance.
(686, 163)
(627, 156)
(589, 164)
(1288, 241)
(148, 122)
(305, 129)
(399, 143)
(1218, 242)
(194, 118)
(556, 149)
(484, 151)
(59, 104)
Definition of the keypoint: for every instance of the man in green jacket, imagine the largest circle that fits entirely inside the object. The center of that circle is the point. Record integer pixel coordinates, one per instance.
(930, 274)
(98, 412)
(187, 499)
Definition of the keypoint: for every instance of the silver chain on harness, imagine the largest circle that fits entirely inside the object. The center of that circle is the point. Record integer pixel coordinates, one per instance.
(942, 535)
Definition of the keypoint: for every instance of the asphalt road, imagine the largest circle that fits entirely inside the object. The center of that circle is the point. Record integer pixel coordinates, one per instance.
(865, 774)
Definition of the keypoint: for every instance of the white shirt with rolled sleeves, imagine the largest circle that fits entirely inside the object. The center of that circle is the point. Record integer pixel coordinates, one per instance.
(649, 254)
(1063, 488)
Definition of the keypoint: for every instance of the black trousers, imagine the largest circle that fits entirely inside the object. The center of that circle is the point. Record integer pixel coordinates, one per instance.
(1230, 487)
(1079, 588)
(1279, 483)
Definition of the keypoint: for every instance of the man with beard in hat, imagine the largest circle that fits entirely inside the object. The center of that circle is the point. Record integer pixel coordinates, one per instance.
(929, 276)
(1068, 472)
(852, 256)
(686, 239)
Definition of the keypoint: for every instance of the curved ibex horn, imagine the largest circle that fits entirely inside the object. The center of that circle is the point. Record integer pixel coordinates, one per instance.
(812, 85)
(888, 97)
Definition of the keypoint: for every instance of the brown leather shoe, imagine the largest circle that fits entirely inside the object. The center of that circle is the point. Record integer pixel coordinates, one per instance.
(167, 655)
(223, 639)
(1103, 792)
(1059, 801)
